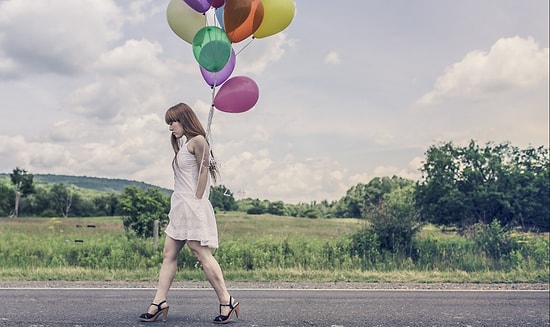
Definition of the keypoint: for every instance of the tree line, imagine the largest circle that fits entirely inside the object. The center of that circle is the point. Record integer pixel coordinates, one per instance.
(460, 186)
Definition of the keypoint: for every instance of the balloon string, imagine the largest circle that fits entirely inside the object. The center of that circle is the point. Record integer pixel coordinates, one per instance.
(252, 39)
(210, 116)
(215, 19)
(206, 16)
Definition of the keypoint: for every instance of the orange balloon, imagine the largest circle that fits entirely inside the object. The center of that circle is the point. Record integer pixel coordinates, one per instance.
(241, 18)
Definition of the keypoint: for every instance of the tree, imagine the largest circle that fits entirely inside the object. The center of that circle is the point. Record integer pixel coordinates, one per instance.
(325, 209)
(364, 198)
(7, 195)
(82, 206)
(309, 210)
(141, 208)
(530, 188)
(23, 184)
(462, 186)
(354, 201)
(41, 203)
(437, 195)
(222, 198)
(276, 208)
(105, 205)
(62, 196)
(257, 207)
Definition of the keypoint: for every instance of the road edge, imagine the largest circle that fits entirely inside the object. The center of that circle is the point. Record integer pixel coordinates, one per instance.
(280, 285)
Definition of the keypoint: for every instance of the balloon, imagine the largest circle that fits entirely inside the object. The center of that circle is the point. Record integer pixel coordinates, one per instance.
(211, 48)
(183, 20)
(237, 94)
(219, 15)
(215, 79)
(277, 16)
(217, 3)
(199, 5)
(242, 18)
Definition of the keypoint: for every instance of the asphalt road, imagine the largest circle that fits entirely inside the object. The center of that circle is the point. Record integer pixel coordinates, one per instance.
(278, 307)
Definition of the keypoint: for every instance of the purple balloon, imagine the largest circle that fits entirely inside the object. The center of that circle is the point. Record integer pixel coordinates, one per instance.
(238, 94)
(198, 5)
(217, 78)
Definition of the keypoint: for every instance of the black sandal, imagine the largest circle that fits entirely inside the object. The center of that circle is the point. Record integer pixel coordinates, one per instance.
(147, 317)
(221, 319)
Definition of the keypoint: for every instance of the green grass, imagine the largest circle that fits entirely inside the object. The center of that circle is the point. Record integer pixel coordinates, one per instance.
(252, 248)
(234, 225)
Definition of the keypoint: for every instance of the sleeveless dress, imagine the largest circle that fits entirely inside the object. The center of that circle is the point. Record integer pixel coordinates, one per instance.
(190, 218)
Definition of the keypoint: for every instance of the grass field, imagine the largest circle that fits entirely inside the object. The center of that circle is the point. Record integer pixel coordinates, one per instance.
(234, 225)
(252, 248)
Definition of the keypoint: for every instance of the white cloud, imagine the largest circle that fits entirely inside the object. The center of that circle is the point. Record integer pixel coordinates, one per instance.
(133, 58)
(141, 10)
(32, 155)
(8, 66)
(134, 69)
(362, 178)
(511, 63)
(255, 57)
(65, 131)
(261, 176)
(495, 96)
(411, 171)
(332, 58)
(55, 36)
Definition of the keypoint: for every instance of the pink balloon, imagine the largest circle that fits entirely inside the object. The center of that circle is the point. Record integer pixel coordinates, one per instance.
(215, 79)
(238, 94)
(199, 5)
(217, 3)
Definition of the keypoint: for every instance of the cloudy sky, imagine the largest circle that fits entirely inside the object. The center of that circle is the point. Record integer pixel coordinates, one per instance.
(349, 91)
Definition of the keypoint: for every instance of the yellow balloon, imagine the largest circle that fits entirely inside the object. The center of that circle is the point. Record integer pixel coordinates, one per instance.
(184, 20)
(277, 16)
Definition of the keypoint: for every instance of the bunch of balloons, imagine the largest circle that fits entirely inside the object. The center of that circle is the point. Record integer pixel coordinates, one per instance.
(235, 21)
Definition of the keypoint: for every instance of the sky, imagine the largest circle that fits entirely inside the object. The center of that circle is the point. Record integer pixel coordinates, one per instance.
(348, 91)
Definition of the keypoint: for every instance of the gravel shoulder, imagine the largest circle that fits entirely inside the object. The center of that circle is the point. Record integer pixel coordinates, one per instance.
(281, 285)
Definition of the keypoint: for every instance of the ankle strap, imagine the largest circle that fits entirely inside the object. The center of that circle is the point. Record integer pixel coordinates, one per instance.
(158, 305)
(230, 305)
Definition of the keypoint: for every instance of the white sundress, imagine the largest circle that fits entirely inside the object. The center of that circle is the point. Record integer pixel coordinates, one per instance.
(190, 218)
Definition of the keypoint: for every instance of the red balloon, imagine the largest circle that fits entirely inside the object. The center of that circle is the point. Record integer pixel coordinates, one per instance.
(241, 18)
(217, 3)
(237, 94)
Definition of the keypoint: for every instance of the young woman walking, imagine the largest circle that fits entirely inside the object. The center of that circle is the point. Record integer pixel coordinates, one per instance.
(192, 219)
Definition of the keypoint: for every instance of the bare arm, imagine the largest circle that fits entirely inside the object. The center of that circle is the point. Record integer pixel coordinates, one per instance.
(201, 151)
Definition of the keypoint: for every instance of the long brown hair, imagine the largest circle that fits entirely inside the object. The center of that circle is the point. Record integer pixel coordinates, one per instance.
(192, 126)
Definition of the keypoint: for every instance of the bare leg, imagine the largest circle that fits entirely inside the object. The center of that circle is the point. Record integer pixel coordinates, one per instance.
(168, 270)
(212, 271)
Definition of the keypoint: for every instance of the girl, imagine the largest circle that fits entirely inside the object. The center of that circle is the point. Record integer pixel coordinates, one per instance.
(192, 219)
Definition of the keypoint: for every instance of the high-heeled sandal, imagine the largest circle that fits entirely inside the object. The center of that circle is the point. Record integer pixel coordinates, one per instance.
(148, 317)
(234, 307)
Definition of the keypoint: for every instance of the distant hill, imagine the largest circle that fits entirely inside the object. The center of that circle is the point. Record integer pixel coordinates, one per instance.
(94, 183)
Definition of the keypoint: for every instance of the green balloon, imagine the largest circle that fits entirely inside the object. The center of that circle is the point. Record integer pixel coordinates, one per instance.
(211, 48)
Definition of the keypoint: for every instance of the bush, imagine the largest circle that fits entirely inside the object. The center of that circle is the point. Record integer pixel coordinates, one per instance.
(447, 253)
(395, 221)
(493, 241)
(365, 246)
(141, 208)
